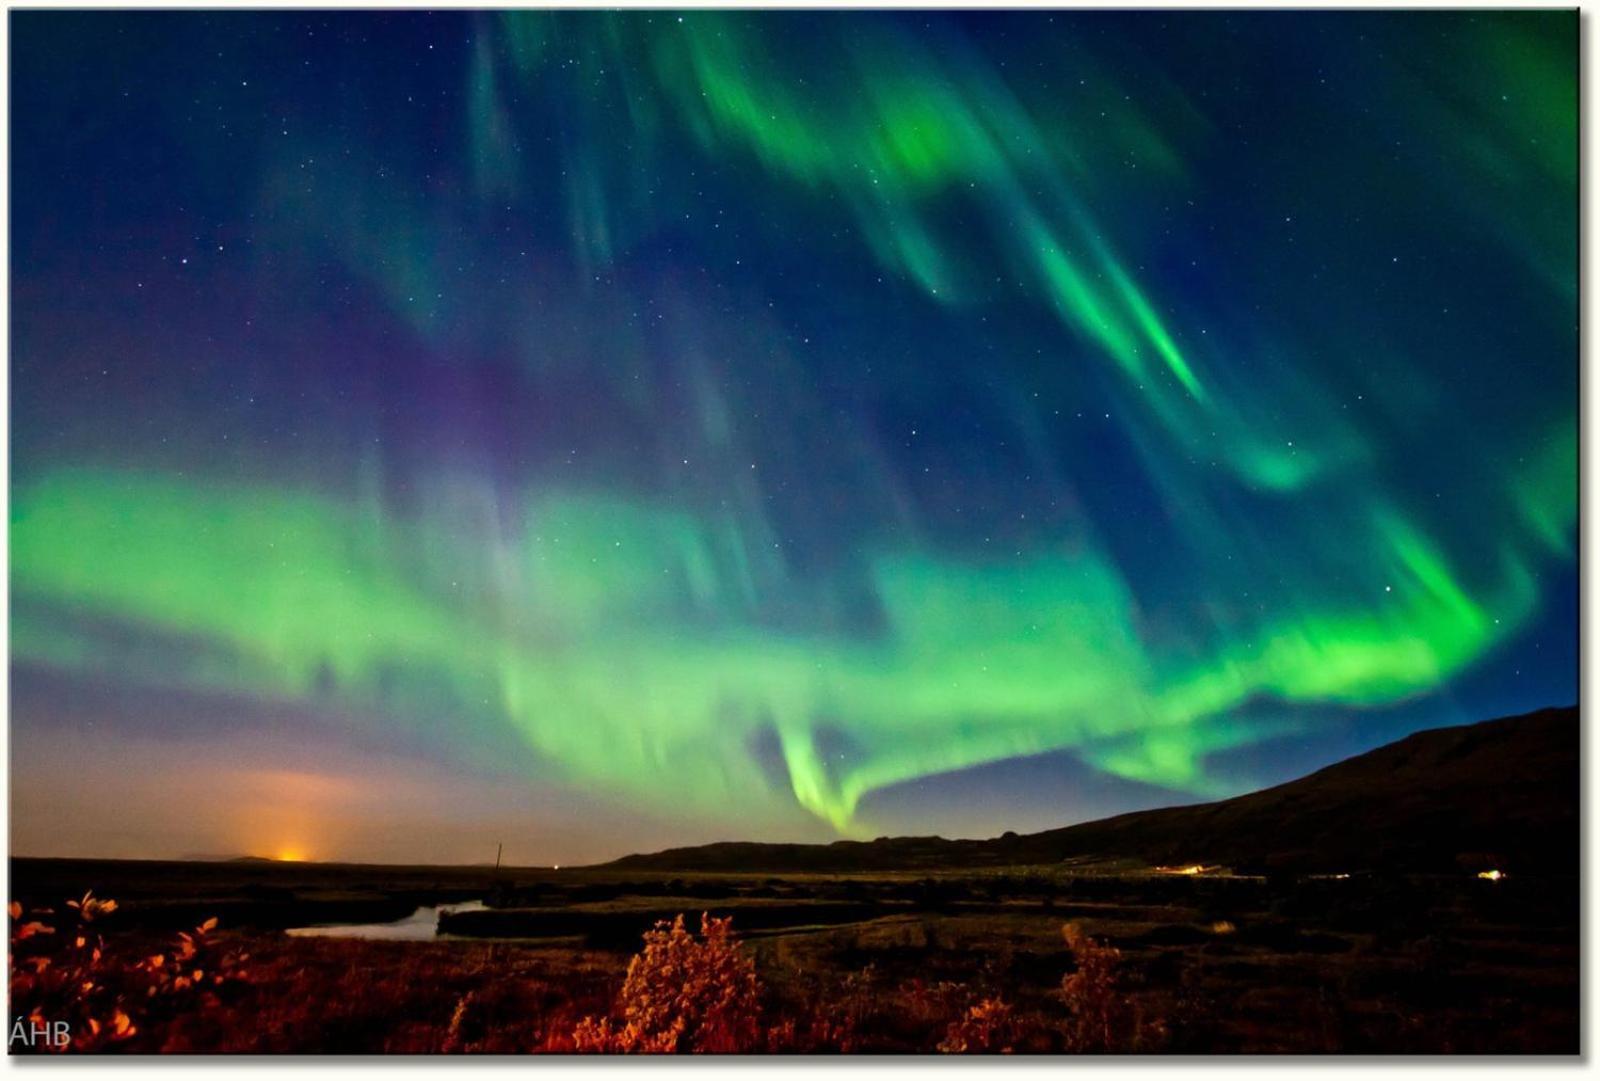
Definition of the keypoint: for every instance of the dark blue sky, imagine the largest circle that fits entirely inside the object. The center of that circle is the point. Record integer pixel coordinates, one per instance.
(628, 429)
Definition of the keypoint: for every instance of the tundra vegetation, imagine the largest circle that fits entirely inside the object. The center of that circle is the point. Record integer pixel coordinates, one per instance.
(1020, 961)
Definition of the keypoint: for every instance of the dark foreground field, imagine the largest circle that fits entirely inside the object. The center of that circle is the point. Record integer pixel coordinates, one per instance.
(1065, 957)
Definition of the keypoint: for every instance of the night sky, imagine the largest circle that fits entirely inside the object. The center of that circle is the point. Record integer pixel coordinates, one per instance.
(596, 431)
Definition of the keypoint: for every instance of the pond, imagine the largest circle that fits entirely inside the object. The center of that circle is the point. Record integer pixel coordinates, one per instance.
(422, 925)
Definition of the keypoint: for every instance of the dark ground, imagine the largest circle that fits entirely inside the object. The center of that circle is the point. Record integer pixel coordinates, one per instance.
(1213, 962)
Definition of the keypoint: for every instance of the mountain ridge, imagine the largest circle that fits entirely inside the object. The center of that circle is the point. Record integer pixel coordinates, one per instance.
(1501, 792)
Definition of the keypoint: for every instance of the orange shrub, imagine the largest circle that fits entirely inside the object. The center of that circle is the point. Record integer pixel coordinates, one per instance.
(60, 971)
(1101, 1016)
(682, 994)
(986, 1028)
(58, 974)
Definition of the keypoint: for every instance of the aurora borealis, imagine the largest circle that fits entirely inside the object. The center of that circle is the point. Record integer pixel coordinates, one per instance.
(650, 427)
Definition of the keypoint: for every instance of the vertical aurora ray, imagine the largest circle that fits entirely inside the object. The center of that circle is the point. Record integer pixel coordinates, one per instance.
(745, 414)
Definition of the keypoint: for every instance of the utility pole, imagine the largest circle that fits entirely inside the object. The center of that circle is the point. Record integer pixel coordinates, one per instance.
(499, 847)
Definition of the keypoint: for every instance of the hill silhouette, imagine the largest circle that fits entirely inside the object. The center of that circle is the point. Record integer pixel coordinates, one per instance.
(1501, 793)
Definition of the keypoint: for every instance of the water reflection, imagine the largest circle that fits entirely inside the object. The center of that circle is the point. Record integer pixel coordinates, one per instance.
(421, 925)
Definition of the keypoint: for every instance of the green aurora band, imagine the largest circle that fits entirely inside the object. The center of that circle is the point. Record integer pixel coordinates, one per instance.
(981, 662)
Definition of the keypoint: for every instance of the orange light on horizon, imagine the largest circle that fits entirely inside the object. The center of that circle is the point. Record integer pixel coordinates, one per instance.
(1492, 876)
(290, 854)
